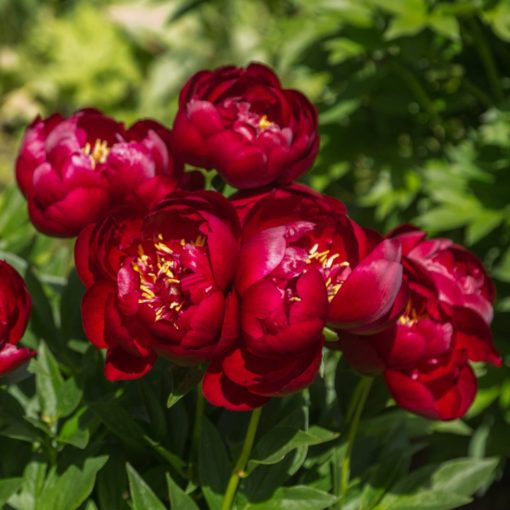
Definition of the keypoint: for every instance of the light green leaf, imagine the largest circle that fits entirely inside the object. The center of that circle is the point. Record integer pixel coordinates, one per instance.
(8, 486)
(464, 476)
(179, 500)
(424, 500)
(277, 443)
(49, 382)
(299, 497)
(143, 498)
(68, 490)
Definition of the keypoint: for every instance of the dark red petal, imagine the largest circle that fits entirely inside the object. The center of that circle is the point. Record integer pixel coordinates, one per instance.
(474, 335)
(122, 366)
(367, 295)
(411, 394)
(222, 392)
(82, 254)
(93, 310)
(12, 357)
(259, 256)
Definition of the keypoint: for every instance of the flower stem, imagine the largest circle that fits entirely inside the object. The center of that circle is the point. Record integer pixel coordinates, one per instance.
(238, 471)
(197, 425)
(354, 412)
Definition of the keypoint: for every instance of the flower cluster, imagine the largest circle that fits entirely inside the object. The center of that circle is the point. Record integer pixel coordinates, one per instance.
(246, 285)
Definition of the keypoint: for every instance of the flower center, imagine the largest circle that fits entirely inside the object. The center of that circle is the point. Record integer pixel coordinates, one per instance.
(264, 123)
(98, 153)
(335, 272)
(164, 270)
(413, 314)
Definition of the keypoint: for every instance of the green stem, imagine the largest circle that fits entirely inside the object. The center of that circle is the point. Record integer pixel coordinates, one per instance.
(197, 425)
(487, 59)
(354, 412)
(238, 471)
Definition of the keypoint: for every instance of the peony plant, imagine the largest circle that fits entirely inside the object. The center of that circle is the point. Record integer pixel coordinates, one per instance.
(256, 290)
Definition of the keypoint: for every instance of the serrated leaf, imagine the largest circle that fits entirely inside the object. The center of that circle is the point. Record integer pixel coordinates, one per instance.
(68, 490)
(179, 500)
(299, 497)
(143, 497)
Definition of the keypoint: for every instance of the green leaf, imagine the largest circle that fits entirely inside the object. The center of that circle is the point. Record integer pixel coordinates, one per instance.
(295, 498)
(424, 500)
(70, 307)
(183, 380)
(8, 486)
(179, 500)
(464, 476)
(68, 490)
(143, 497)
(483, 224)
(42, 319)
(75, 430)
(33, 483)
(68, 397)
(277, 443)
(119, 421)
(214, 464)
(49, 382)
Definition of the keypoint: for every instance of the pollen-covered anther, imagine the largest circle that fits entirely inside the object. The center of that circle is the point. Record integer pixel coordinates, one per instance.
(98, 153)
(412, 315)
(264, 122)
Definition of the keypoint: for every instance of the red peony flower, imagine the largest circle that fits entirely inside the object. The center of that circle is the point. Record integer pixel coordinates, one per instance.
(242, 123)
(299, 250)
(425, 355)
(15, 306)
(73, 171)
(159, 284)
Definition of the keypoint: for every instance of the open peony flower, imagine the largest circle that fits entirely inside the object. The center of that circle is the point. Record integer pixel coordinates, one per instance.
(73, 171)
(242, 123)
(425, 355)
(160, 284)
(299, 251)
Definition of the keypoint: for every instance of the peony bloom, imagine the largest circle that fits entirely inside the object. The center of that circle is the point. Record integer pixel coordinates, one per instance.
(299, 251)
(15, 306)
(159, 285)
(425, 355)
(242, 123)
(73, 171)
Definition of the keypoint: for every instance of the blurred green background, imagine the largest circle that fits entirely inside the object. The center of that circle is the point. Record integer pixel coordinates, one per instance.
(413, 100)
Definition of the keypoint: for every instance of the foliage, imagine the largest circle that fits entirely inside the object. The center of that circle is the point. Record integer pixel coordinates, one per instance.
(415, 126)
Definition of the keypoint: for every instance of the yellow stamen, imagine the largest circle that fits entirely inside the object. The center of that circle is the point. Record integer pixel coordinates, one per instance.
(264, 122)
(98, 153)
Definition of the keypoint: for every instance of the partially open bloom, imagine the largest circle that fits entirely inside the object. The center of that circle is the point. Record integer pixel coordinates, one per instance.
(242, 123)
(425, 355)
(299, 251)
(160, 284)
(15, 306)
(72, 171)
